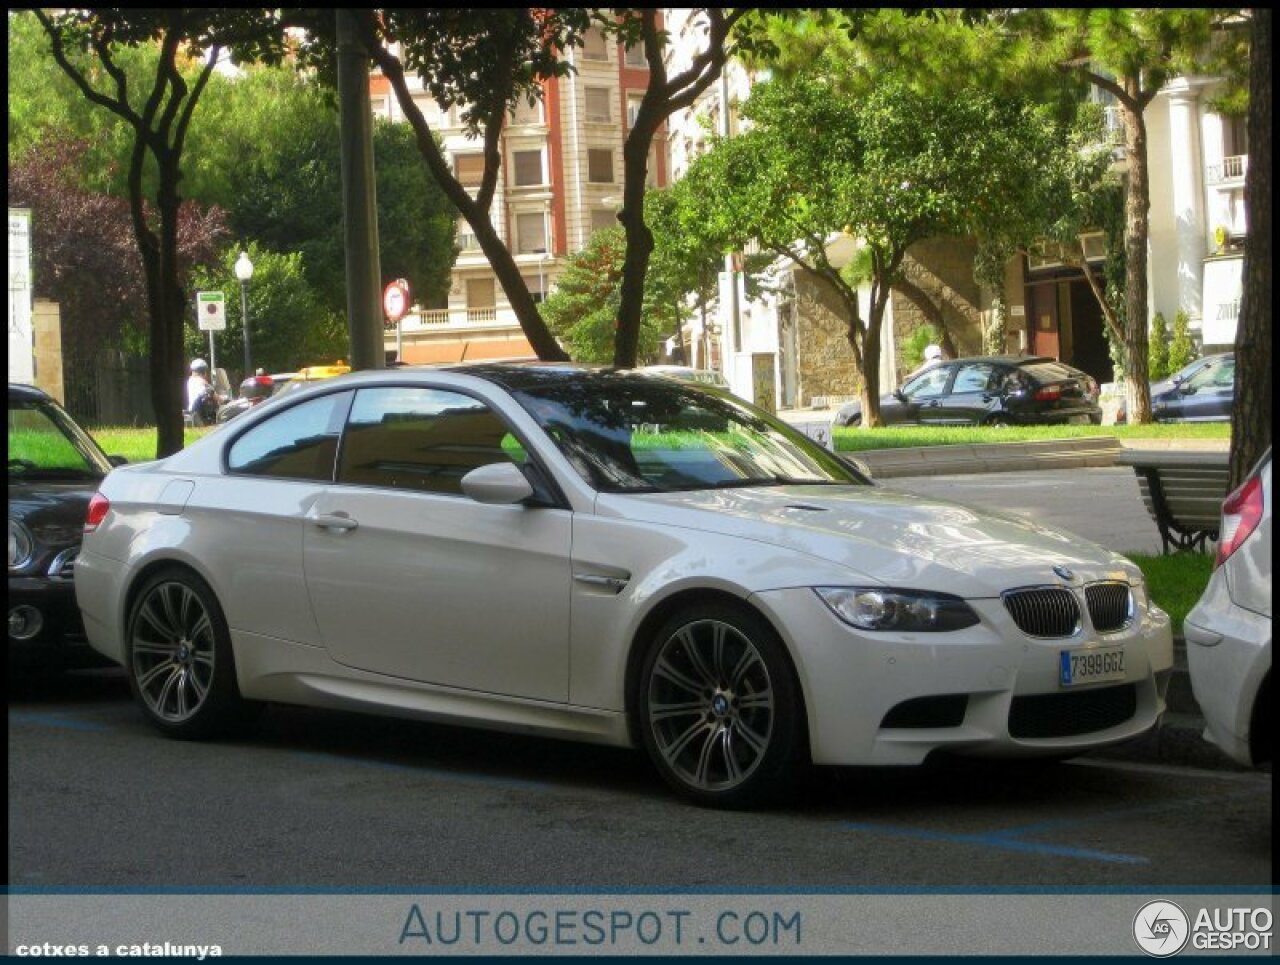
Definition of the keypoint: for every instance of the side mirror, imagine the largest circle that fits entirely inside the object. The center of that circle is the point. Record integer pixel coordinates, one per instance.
(499, 483)
(900, 395)
(118, 460)
(1186, 388)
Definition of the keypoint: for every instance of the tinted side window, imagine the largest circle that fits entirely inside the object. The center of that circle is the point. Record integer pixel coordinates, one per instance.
(973, 378)
(927, 384)
(299, 443)
(422, 439)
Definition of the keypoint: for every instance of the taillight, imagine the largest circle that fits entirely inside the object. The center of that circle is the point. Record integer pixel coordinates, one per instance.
(1241, 513)
(99, 506)
(263, 380)
(1048, 393)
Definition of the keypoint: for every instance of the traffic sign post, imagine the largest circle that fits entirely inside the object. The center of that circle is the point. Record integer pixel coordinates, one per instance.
(211, 316)
(395, 303)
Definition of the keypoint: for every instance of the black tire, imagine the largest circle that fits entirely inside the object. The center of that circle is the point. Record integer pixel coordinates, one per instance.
(179, 662)
(999, 421)
(719, 708)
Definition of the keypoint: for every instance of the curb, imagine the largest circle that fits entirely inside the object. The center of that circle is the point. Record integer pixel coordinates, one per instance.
(1088, 452)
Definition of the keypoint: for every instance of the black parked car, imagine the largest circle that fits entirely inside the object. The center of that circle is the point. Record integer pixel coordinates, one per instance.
(1205, 396)
(55, 467)
(990, 391)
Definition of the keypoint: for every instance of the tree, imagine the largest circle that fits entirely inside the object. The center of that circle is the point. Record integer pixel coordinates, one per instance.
(85, 256)
(86, 44)
(1159, 362)
(1251, 408)
(481, 61)
(889, 168)
(265, 146)
(289, 325)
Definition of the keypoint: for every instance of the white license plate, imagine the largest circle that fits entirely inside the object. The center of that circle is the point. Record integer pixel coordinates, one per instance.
(1077, 667)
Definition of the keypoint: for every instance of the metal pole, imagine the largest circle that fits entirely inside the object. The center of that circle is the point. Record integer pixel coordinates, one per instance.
(735, 313)
(213, 359)
(244, 320)
(355, 135)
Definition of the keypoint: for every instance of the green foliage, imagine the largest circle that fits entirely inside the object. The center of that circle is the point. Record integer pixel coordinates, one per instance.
(583, 310)
(1158, 344)
(911, 349)
(1182, 349)
(1175, 582)
(289, 326)
(899, 437)
(268, 150)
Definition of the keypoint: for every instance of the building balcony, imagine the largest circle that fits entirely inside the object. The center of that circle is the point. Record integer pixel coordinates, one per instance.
(438, 319)
(1229, 173)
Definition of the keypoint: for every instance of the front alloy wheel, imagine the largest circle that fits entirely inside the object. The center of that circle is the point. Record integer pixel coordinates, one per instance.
(179, 658)
(720, 707)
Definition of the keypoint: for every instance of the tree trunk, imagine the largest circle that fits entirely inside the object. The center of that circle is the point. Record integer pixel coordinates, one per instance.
(167, 364)
(635, 158)
(1251, 409)
(1137, 207)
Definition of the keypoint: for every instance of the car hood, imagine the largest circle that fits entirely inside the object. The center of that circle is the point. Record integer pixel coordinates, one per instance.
(889, 537)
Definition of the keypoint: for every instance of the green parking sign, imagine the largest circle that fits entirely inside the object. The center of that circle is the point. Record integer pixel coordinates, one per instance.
(211, 311)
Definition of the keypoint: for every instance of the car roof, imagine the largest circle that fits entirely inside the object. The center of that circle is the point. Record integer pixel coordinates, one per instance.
(27, 393)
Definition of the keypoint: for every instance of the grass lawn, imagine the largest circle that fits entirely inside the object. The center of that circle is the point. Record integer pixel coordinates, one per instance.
(1175, 582)
(136, 444)
(898, 437)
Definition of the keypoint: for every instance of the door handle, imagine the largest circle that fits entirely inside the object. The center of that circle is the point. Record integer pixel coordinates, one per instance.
(335, 521)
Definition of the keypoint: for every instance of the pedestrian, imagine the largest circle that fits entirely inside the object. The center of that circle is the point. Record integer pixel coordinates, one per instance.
(932, 356)
(199, 392)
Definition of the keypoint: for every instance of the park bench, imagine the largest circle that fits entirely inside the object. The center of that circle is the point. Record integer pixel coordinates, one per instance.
(1183, 491)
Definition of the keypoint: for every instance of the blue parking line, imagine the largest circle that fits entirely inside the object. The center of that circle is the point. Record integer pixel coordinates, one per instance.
(1007, 840)
(511, 782)
(55, 720)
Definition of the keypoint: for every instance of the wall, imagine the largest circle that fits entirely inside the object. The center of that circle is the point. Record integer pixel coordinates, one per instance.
(824, 360)
(943, 269)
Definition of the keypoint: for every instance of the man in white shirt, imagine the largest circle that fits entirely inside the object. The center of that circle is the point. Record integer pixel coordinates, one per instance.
(198, 386)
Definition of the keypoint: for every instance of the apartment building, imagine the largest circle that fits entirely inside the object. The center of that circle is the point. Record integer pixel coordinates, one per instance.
(561, 180)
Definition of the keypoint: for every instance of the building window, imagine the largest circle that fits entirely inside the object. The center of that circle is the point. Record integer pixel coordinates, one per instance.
(635, 56)
(1235, 137)
(602, 218)
(531, 233)
(467, 240)
(480, 293)
(469, 169)
(599, 105)
(528, 168)
(526, 113)
(537, 285)
(594, 46)
(633, 109)
(600, 165)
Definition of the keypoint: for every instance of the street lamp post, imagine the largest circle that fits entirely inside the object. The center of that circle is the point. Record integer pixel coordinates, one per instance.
(244, 271)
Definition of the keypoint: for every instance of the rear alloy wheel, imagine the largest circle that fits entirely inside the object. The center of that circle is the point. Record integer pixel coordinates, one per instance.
(720, 709)
(179, 660)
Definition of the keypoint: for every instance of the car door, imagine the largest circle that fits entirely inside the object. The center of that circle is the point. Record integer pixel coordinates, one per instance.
(1207, 395)
(920, 399)
(410, 578)
(968, 401)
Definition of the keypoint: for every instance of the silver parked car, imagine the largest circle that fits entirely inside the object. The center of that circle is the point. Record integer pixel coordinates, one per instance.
(1229, 630)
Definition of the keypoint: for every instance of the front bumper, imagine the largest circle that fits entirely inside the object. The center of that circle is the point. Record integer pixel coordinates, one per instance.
(60, 641)
(989, 690)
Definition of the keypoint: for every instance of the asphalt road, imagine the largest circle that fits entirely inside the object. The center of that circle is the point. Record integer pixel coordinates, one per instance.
(1101, 504)
(329, 799)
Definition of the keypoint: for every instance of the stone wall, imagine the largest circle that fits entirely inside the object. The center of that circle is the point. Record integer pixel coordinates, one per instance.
(943, 269)
(824, 359)
(46, 323)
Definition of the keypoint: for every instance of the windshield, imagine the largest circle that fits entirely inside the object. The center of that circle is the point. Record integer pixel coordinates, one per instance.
(626, 433)
(44, 443)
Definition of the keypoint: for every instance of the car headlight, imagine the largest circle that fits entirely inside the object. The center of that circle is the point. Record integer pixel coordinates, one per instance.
(21, 545)
(874, 608)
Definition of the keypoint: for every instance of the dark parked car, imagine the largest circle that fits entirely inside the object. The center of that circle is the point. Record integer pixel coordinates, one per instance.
(989, 390)
(1206, 396)
(1164, 386)
(54, 469)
